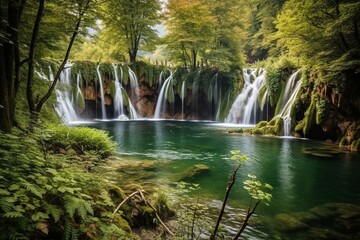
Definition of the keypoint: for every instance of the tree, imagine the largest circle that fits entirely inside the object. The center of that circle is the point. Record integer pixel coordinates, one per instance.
(230, 33)
(190, 26)
(131, 23)
(321, 33)
(261, 42)
(80, 8)
(10, 14)
(22, 43)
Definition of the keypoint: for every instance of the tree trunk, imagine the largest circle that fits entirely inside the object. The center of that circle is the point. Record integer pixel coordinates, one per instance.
(8, 55)
(5, 122)
(230, 184)
(193, 53)
(30, 77)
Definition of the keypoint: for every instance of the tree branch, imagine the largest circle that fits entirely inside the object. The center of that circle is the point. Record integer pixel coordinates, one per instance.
(57, 76)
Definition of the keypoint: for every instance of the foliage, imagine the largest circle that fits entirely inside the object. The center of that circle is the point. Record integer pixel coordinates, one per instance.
(43, 195)
(258, 190)
(80, 138)
(130, 24)
(273, 81)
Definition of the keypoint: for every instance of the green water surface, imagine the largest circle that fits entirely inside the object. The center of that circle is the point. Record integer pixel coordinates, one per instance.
(304, 173)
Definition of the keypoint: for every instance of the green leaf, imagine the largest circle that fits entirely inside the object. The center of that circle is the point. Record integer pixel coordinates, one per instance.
(12, 215)
(14, 187)
(39, 215)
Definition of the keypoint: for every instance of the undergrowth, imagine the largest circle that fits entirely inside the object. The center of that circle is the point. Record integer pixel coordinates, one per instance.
(45, 196)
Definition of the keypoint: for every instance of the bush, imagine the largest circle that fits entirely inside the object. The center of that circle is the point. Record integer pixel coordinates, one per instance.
(80, 138)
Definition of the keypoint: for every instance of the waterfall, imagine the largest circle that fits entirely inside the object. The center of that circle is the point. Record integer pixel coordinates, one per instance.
(166, 92)
(79, 94)
(213, 94)
(182, 99)
(118, 98)
(286, 111)
(133, 82)
(288, 88)
(64, 107)
(103, 110)
(245, 104)
(120, 93)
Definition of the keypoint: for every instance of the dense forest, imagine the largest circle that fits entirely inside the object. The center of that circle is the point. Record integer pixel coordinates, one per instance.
(48, 189)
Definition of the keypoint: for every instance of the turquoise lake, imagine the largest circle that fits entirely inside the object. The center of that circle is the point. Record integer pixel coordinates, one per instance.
(304, 173)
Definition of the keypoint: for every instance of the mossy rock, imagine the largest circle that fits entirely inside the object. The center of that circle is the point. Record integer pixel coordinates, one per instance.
(306, 217)
(146, 217)
(117, 195)
(192, 172)
(122, 223)
(287, 223)
(257, 131)
(261, 124)
(299, 127)
(325, 234)
(236, 131)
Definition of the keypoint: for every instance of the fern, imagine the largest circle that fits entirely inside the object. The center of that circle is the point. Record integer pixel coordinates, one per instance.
(13, 215)
(54, 211)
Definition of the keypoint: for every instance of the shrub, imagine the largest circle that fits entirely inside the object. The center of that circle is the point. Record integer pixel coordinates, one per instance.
(81, 138)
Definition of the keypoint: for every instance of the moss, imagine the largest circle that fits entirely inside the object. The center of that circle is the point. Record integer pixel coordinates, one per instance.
(262, 124)
(257, 131)
(344, 142)
(299, 126)
(309, 119)
(162, 206)
(355, 145)
(236, 131)
(122, 223)
(117, 195)
(147, 216)
(322, 111)
(273, 81)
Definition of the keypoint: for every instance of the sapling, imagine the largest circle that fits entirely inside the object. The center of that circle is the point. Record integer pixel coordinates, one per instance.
(256, 189)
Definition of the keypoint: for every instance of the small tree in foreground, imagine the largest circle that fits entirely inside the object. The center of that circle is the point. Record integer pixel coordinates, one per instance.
(257, 190)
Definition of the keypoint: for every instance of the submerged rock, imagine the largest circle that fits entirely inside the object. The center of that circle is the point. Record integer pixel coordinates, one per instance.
(287, 223)
(191, 173)
(325, 234)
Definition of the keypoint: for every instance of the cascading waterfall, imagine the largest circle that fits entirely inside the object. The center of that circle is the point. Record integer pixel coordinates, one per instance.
(166, 92)
(118, 98)
(102, 95)
(79, 94)
(133, 82)
(182, 99)
(286, 110)
(213, 95)
(245, 104)
(288, 88)
(64, 107)
(120, 93)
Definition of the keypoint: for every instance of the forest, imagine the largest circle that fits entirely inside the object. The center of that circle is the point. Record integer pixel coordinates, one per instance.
(287, 68)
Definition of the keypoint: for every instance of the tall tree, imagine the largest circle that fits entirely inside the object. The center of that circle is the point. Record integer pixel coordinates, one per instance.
(230, 33)
(190, 26)
(132, 23)
(10, 14)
